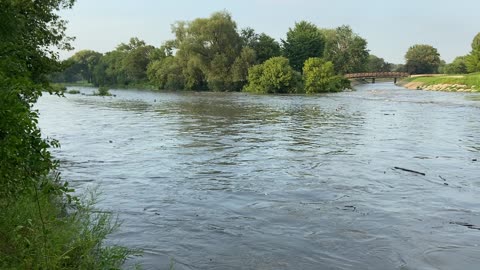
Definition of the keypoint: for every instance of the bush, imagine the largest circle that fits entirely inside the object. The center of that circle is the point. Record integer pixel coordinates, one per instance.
(319, 76)
(102, 91)
(273, 76)
(458, 66)
(45, 232)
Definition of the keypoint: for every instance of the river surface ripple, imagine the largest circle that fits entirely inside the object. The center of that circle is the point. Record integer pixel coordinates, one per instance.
(239, 181)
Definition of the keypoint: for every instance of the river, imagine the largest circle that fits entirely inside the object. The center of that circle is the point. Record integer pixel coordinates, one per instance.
(240, 181)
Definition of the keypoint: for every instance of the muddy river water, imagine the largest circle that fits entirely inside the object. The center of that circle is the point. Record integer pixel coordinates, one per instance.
(240, 181)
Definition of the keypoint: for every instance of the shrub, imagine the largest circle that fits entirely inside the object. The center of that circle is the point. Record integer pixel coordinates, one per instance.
(319, 76)
(273, 76)
(45, 232)
(102, 91)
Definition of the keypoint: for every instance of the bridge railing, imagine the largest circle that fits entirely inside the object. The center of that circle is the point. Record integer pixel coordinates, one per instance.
(377, 75)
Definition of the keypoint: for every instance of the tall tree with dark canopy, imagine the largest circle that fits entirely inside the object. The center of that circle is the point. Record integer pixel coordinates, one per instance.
(422, 59)
(84, 62)
(305, 40)
(346, 50)
(265, 47)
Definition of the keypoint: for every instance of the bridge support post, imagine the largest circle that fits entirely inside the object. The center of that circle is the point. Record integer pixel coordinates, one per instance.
(395, 80)
(373, 80)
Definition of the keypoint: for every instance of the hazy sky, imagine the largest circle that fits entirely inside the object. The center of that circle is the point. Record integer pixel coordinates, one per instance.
(390, 27)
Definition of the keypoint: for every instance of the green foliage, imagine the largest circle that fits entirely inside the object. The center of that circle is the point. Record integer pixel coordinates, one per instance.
(55, 239)
(399, 68)
(127, 64)
(472, 61)
(377, 64)
(346, 50)
(86, 61)
(102, 91)
(240, 67)
(319, 76)
(29, 32)
(39, 228)
(207, 49)
(166, 74)
(305, 40)
(458, 66)
(273, 76)
(422, 59)
(24, 155)
(265, 47)
(136, 60)
(468, 80)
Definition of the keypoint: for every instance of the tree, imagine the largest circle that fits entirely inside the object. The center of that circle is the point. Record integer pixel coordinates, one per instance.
(86, 61)
(166, 73)
(472, 61)
(319, 76)
(273, 76)
(422, 59)
(398, 68)
(244, 61)
(125, 65)
(136, 59)
(209, 46)
(303, 41)
(31, 31)
(248, 37)
(377, 64)
(346, 50)
(458, 66)
(266, 47)
(110, 69)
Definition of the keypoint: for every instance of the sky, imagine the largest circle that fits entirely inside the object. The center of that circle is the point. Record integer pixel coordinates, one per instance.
(390, 27)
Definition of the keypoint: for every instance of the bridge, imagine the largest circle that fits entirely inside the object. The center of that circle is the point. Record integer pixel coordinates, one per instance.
(375, 75)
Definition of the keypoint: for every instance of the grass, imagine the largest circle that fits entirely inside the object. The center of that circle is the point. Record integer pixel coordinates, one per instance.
(469, 80)
(45, 232)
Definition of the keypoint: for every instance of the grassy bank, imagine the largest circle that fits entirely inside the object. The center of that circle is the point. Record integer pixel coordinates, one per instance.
(451, 83)
(46, 232)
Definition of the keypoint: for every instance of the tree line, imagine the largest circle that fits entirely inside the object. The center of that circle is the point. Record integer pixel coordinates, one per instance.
(213, 54)
(425, 59)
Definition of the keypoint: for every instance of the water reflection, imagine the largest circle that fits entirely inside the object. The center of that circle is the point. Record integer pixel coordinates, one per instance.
(222, 181)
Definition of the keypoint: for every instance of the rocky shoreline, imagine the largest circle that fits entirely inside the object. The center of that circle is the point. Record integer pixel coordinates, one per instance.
(439, 87)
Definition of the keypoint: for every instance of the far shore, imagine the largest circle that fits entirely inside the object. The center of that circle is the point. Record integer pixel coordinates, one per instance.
(443, 82)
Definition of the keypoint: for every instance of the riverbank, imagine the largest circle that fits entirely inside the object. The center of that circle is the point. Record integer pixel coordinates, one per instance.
(448, 83)
(141, 86)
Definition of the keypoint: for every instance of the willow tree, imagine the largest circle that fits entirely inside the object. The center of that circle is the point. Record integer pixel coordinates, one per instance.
(208, 48)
